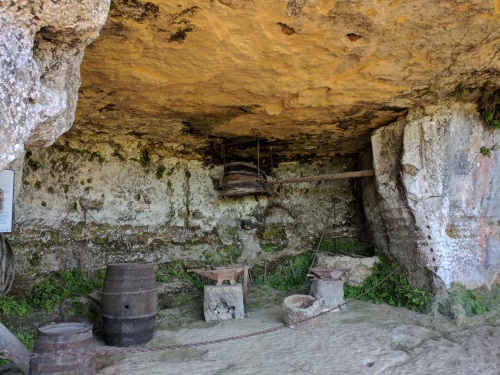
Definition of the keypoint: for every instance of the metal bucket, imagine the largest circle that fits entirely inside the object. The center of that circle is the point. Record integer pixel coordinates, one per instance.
(61, 340)
(129, 304)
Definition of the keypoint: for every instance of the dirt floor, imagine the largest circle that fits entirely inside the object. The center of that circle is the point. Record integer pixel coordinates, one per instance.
(364, 339)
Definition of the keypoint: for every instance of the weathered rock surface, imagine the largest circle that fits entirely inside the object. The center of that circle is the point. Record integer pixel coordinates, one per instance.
(439, 196)
(41, 49)
(223, 302)
(85, 203)
(357, 269)
(322, 73)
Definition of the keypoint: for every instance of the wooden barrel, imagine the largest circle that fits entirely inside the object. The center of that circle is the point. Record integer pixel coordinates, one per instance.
(129, 304)
(61, 340)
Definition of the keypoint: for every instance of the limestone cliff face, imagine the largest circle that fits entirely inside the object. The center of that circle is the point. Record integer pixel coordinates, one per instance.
(439, 196)
(41, 48)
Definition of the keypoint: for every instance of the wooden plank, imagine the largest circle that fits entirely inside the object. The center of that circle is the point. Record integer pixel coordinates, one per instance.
(245, 284)
(10, 342)
(335, 176)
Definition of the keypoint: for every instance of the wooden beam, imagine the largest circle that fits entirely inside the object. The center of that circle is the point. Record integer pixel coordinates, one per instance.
(335, 176)
(10, 342)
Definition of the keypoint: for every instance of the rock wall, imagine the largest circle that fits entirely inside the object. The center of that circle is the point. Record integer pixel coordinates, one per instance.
(438, 196)
(86, 203)
(357, 269)
(41, 49)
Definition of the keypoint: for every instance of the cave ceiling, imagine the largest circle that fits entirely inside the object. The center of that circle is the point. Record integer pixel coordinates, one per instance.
(306, 76)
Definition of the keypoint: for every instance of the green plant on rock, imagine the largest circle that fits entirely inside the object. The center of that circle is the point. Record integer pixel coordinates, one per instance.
(395, 291)
(489, 104)
(225, 256)
(145, 158)
(432, 91)
(159, 171)
(270, 249)
(116, 153)
(50, 292)
(460, 91)
(12, 306)
(33, 164)
(485, 151)
(181, 299)
(477, 301)
(170, 271)
(96, 155)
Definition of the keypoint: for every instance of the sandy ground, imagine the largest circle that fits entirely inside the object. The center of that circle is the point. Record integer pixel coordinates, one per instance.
(365, 339)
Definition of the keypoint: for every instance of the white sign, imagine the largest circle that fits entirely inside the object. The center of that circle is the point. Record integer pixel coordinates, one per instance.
(6, 200)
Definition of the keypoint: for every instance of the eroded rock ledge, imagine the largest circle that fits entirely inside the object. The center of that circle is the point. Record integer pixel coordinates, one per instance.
(41, 49)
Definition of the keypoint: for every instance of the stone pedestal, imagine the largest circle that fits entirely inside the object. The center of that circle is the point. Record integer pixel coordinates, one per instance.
(223, 302)
(330, 293)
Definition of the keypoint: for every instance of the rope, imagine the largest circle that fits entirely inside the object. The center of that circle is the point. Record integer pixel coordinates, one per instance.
(5, 354)
(7, 265)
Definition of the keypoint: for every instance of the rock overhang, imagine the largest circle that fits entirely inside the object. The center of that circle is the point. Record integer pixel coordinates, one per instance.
(320, 73)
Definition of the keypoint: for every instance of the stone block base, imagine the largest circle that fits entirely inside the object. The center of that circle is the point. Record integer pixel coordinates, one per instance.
(330, 293)
(223, 302)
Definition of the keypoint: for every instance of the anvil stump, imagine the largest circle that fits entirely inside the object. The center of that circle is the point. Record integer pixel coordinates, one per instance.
(330, 293)
(223, 302)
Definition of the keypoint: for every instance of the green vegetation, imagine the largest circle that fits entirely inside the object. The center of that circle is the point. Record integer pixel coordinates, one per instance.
(460, 91)
(38, 184)
(346, 246)
(50, 292)
(159, 171)
(116, 153)
(144, 159)
(169, 271)
(475, 302)
(395, 291)
(432, 91)
(35, 259)
(34, 165)
(97, 155)
(288, 274)
(486, 151)
(224, 257)
(182, 298)
(67, 148)
(178, 270)
(270, 249)
(27, 339)
(12, 306)
(489, 104)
